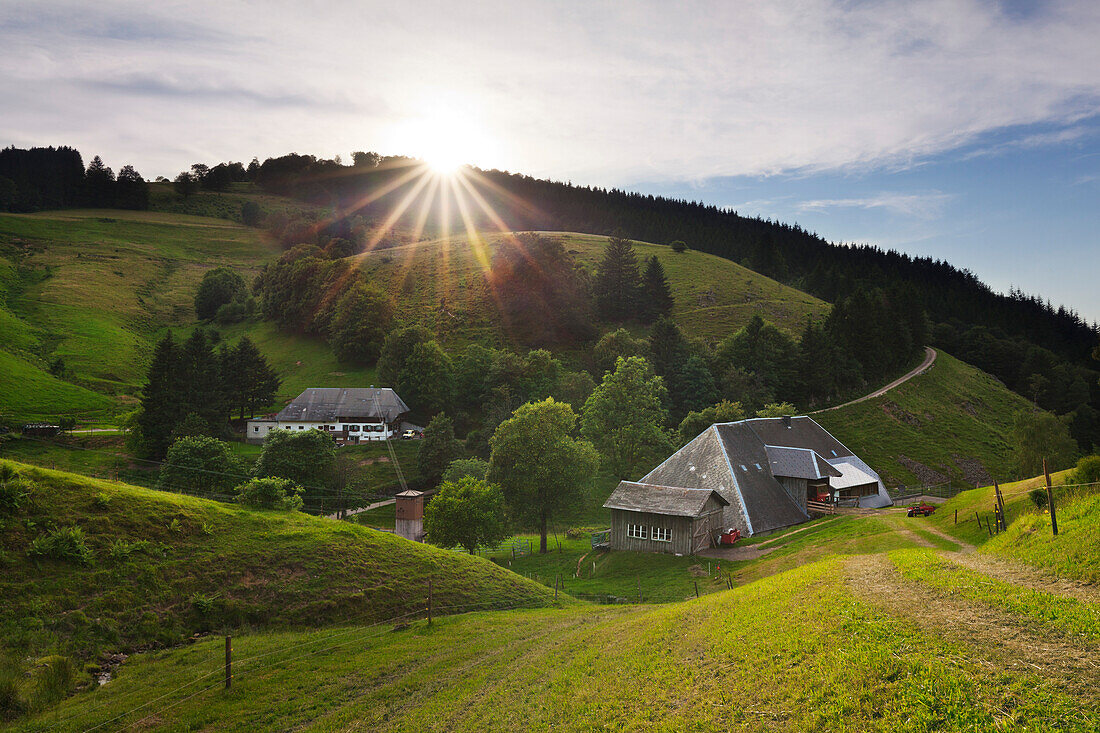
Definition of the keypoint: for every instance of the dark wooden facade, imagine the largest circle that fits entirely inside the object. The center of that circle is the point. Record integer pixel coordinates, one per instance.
(687, 534)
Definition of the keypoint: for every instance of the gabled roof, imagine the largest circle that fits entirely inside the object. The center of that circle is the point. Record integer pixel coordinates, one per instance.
(766, 502)
(798, 432)
(682, 502)
(798, 463)
(321, 404)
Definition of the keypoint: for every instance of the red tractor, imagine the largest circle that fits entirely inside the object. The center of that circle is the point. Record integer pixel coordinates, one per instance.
(920, 510)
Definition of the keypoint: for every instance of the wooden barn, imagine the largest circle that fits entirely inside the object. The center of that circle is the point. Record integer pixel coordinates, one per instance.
(650, 518)
(754, 475)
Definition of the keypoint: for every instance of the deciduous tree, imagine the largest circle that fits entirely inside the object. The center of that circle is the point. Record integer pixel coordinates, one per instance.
(541, 468)
(466, 513)
(199, 464)
(306, 457)
(625, 416)
(360, 321)
(438, 448)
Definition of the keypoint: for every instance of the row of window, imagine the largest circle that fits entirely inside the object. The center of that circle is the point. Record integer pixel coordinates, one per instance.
(642, 532)
(349, 428)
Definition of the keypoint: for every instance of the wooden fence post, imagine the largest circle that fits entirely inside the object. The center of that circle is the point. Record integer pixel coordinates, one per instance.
(228, 661)
(956, 516)
(1000, 505)
(1050, 500)
(697, 589)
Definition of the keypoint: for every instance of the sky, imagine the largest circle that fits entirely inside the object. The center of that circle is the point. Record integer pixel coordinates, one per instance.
(967, 130)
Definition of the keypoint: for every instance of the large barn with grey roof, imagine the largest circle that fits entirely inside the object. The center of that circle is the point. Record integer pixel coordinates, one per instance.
(764, 470)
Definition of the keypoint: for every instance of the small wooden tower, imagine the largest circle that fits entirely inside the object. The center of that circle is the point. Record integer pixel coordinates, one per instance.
(410, 515)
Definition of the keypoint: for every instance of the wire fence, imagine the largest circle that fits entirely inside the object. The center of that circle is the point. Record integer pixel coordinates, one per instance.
(320, 500)
(246, 668)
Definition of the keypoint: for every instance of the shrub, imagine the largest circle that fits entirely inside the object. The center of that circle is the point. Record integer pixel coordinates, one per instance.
(1038, 497)
(12, 496)
(63, 543)
(120, 549)
(101, 500)
(53, 679)
(679, 246)
(270, 493)
(251, 214)
(12, 704)
(1087, 471)
(203, 604)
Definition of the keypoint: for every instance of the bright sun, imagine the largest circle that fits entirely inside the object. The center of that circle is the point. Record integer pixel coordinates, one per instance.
(445, 138)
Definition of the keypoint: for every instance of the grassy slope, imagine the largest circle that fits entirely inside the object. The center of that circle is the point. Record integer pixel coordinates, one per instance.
(943, 419)
(1074, 553)
(799, 651)
(714, 297)
(259, 568)
(105, 455)
(95, 287)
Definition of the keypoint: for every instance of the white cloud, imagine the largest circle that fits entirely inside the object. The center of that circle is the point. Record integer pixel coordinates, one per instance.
(602, 92)
(921, 206)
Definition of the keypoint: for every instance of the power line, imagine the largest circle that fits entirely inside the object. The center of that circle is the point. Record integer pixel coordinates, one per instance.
(315, 491)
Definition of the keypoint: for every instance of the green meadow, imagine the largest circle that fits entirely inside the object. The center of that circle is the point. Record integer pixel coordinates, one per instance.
(951, 423)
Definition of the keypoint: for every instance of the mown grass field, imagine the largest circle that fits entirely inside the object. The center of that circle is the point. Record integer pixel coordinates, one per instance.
(846, 623)
(950, 424)
(810, 649)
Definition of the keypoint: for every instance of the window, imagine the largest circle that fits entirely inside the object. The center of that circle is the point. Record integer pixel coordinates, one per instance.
(758, 467)
(661, 534)
(301, 427)
(256, 429)
(353, 428)
(636, 531)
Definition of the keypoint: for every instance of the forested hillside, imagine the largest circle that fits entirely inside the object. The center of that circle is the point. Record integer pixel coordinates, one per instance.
(1042, 351)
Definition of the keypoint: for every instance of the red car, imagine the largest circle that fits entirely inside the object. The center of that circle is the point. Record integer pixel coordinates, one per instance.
(920, 510)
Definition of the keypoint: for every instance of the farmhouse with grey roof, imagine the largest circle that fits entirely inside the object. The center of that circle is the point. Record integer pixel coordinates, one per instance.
(349, 414)
(764, 470)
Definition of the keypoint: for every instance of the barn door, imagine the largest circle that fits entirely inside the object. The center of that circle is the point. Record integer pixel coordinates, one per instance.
(701, 539)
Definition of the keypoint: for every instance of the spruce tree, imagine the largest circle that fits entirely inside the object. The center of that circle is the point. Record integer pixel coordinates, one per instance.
(618, 283)
(200, 377)
(160, 399)
(667, 347)
(99, 184)
(261, 382)
(656, 298)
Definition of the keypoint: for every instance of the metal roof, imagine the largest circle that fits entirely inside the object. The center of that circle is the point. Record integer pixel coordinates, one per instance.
(639, 497)
(851, 476)
(798, 463)
(323, 404)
